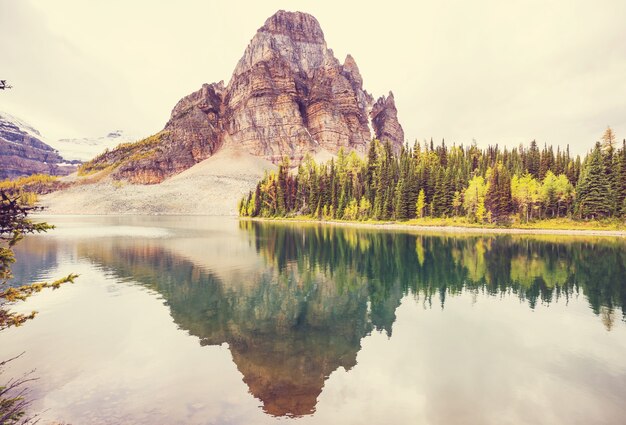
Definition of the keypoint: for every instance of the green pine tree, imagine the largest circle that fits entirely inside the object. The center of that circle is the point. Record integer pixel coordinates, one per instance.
(592, 191)
(620, 193)
(498, 197)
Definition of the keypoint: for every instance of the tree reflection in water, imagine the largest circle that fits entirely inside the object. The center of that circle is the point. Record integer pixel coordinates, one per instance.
(302, 312)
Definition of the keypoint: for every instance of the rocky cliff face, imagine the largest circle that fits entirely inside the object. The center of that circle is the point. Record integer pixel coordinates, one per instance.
(22, 152)
(385, 120)
(288, 96)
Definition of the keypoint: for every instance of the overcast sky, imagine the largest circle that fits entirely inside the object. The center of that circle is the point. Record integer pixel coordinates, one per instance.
(496, 71)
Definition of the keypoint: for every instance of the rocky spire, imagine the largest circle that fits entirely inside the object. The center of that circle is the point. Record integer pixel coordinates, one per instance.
(288, 96)
(351, 71)
(385, 121)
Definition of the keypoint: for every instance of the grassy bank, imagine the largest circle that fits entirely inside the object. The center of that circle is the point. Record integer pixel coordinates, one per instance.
(561, 226)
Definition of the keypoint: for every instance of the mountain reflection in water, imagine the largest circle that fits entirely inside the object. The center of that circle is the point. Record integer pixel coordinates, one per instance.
(294, 301)
(302, 312)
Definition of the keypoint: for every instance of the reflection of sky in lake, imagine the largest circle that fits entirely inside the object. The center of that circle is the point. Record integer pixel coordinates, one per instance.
(213, 322)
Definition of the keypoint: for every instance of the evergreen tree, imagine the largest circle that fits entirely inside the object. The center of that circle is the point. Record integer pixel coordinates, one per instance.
(593, 188)
(610, 164)
(401, 210)
(448, 192)
(620, 187)
(498, 196)
(439, 196)
(533, 160)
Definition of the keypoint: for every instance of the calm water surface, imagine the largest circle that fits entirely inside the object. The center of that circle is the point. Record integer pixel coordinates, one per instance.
(183, 320)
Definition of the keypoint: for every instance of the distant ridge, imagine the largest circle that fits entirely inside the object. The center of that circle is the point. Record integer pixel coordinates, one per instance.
(23, 152)
(86, 148)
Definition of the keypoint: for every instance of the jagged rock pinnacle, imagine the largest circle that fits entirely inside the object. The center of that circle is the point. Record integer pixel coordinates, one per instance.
(288, 96)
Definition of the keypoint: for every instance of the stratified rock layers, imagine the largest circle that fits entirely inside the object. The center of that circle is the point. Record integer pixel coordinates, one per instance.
(288, 96)
(22, 153)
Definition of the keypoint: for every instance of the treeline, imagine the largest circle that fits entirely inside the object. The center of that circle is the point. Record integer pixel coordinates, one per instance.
(27, 188)
(487, 186)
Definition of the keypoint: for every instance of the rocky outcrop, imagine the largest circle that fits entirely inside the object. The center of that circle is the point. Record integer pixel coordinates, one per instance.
(196, 124)
(191, 135)
(288, 96)
(22, 152)
(385, 121)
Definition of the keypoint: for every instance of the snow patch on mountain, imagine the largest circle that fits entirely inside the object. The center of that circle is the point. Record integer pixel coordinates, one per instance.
(19, 125)
(86, 148)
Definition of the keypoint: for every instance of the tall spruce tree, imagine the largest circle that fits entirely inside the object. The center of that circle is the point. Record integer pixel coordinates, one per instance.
(533, 159)
(439, 195)
(610, 164)
(620, 193)
(448, 192)
(593, 189)
(498, 197)
(401, 208)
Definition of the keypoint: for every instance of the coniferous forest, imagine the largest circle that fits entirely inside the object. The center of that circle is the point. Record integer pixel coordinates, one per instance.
(492, 185)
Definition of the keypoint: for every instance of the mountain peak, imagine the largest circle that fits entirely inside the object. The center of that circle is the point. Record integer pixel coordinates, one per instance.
(293, 38)
(288, 96)
(298, 26)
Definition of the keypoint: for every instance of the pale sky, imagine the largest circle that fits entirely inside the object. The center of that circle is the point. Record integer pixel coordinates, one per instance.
(496, 71)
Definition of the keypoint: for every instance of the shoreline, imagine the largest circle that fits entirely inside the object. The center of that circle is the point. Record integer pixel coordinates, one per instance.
(395, 226)
(446, 229)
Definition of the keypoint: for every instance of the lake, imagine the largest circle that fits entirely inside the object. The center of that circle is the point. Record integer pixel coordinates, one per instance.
(197, 320)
